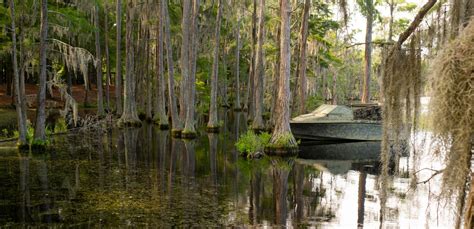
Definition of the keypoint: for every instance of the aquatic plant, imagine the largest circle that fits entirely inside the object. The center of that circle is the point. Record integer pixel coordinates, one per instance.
(250, 143)
(60, 126)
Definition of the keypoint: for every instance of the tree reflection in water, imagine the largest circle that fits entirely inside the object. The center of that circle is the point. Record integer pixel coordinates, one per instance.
(144, 177)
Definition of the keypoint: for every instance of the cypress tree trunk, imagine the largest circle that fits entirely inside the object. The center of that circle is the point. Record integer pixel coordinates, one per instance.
(276, 76)
(185, 76)
(148, 81)
(334, 88)
(40, 132)
(282, 139)
(391, 5)
(22, 141)
(251, 81)
(118, 67)
(257, 123)
(213, 124)
(129, 115)
(189, 130)
(301, 69)
(175, 120)
(100, 102)
(368, 52)
(107, 62)
(237, 105)
(160, 112)
(185, 60)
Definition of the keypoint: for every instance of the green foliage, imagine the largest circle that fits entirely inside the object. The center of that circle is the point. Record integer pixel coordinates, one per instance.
(60, 126)
(314, 102)
(251, 143)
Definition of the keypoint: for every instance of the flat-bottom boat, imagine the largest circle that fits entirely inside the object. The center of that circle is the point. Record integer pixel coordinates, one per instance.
(335, 123)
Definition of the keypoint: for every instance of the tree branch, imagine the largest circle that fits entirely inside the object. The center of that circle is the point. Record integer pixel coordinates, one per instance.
(431, 177)
(415, 23)
(381, 43)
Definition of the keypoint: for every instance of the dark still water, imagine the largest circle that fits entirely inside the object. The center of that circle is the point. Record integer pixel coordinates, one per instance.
(143, 177)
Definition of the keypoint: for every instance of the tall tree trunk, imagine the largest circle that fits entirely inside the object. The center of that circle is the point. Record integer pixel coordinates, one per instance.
(237, 105)
(129, 115)
(391, 5)
(282, 136)
(189, 129)
(40, 128)
(251, 81)
(22, 94)
(160, 112)
(118, 66)
(186, 50)
(456, 15)
(98, 67)
(259, 70)
(18, 95)
(187, 104)
(276, 76)
(301, 69)
(148, 79)
(334, 87)
(176, 122)
(107, 61)
(368, 52)
(213, 124)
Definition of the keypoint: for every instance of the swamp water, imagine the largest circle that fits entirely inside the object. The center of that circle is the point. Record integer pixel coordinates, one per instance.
(143, 177)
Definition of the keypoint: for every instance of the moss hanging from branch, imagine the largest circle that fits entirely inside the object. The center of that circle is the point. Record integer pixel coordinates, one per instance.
(401, 76)
(77, 59)
(452, 111)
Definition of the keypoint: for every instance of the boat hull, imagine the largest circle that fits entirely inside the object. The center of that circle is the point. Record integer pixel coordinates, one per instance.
(338, 131)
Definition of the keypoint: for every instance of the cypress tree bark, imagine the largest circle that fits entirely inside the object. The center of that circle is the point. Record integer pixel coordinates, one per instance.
(22, 141)
(107, 62)
(282, 140)
(129, 115)
(100, 98)
(40, 131)
(276, 76)
(251, 81)
(213, 124)
(189, 130)
(118, 67)
(176, 122)
(237, 105)
(185, 75)
(185, 56)
(301, 69)
(257, 123)
(160, 112)
(368, 52)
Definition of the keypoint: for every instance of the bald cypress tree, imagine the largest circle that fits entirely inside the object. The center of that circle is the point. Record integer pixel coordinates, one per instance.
(130, 116)
(213, 124)
(282, 140)
(40, 127)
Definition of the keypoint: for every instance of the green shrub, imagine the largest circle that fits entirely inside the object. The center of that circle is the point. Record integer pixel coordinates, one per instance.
(5, 133)
(60, 126)
(251, 143)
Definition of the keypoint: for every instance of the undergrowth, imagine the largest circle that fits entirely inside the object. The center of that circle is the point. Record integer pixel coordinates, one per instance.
(250, 143)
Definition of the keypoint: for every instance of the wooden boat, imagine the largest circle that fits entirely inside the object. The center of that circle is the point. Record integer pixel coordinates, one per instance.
(335, 123)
